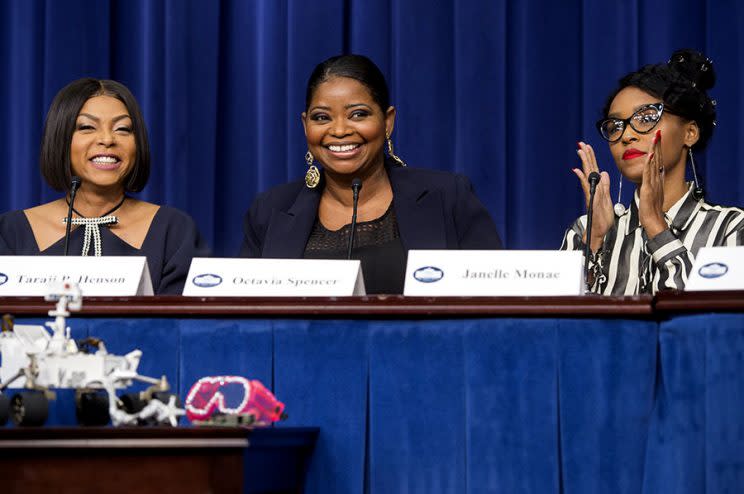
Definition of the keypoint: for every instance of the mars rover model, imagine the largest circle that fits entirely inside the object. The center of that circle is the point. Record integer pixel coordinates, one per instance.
(34, 360)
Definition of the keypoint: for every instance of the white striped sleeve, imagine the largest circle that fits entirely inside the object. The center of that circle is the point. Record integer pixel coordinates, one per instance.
(736, 235)
(573, 238)
(672, 259)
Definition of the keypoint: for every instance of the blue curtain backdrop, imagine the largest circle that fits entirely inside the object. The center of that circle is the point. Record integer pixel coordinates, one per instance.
(498, 90)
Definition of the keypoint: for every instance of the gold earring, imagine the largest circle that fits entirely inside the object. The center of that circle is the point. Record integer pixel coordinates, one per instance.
(391, 153)
(312, 176)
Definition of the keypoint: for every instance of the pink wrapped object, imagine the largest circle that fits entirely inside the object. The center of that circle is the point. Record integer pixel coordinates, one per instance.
(223, 397)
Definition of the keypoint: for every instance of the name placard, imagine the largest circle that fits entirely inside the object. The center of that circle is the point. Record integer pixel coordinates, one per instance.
(494, 273)
(102, 276)
(215, 277)
(717, 268)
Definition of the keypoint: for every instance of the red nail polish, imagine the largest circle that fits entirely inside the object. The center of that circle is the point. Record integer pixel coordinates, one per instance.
(657, 138)
(578, 145)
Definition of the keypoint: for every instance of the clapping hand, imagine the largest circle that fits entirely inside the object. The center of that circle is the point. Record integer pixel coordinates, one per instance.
(603, 215)
(651, 194)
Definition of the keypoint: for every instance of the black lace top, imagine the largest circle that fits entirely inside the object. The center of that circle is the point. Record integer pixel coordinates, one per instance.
(376, 243)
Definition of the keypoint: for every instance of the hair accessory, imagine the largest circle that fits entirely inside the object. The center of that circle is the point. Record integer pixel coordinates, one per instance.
(312, 176)
(619, 208)
(698, 193)
(92, 230)
(391, 152)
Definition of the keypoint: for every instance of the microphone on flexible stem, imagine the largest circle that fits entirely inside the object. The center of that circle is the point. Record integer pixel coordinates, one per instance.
(356, 186)
(74, 186)
(593, 181)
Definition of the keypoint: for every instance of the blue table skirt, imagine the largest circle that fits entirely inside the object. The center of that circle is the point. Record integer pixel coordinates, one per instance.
(480, 405)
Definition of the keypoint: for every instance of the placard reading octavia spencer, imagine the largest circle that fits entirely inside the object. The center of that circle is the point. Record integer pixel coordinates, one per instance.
(494, 273)
(103, 276)
(214, 277)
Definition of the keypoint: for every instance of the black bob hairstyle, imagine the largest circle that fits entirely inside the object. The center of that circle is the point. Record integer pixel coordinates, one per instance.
(682, 84)
(356, 67)
(60, 124)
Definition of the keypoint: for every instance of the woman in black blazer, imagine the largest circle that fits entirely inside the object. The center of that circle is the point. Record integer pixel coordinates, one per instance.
(348, 121)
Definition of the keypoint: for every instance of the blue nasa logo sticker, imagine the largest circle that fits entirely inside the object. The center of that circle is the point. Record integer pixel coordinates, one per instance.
(428, 274)
(207, 280)
(713, 270)
(3, 278)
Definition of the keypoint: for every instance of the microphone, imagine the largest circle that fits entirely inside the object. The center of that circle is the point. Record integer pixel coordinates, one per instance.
(356, 186)
(593, 181)
(74, 186)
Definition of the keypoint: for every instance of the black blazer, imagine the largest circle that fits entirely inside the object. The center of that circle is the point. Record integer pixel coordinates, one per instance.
(434, 210)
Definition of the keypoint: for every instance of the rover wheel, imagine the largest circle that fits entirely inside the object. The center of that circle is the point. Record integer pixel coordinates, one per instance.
(4, 408)
(92, 408)
(29, 408)
(132, 403)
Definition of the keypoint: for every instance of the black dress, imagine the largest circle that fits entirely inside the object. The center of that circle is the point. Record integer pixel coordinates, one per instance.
(170, 244)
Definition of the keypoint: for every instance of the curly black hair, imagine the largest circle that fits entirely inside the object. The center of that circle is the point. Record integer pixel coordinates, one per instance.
(682, 84)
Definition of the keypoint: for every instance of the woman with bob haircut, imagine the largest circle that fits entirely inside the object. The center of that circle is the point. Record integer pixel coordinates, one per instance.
(348, 121)
(655, 121)
(94, 131)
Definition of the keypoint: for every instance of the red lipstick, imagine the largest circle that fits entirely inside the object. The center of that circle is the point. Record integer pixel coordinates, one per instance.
(632, 154)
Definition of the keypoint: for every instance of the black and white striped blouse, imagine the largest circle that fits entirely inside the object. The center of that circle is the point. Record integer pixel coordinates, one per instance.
(628, 263)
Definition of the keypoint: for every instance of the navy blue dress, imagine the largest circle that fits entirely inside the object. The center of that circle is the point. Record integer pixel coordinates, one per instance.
(170, 244)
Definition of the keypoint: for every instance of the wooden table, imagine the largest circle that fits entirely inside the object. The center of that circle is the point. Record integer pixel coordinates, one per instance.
(145, 459)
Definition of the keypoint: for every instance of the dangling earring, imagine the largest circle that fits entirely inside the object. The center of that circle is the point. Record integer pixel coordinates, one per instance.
(312, 176)
(391, 153)
(619, 207)
(698, 192)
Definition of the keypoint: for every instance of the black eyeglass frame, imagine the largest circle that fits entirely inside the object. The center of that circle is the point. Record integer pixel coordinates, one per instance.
(629, 121)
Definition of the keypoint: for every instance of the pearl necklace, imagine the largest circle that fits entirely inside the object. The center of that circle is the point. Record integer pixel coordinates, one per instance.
(92, 230)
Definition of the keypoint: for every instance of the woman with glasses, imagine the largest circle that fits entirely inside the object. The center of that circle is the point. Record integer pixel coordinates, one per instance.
(655, 121)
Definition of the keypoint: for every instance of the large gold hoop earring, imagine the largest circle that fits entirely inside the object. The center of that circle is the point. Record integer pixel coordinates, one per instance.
(391, 152)
(312, 176)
